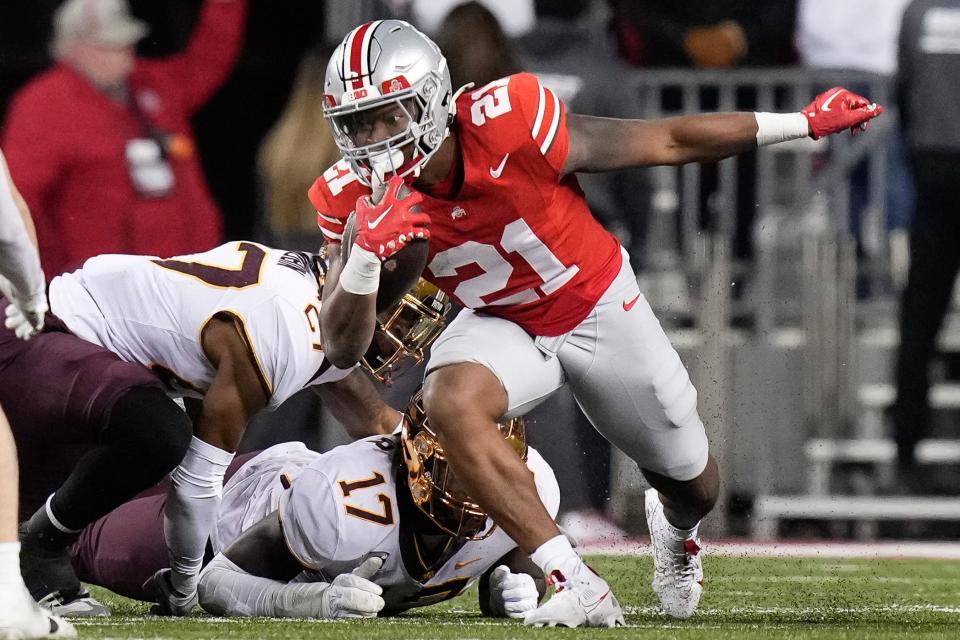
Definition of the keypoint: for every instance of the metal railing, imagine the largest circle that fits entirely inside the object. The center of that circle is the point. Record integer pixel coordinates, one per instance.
(805, 268)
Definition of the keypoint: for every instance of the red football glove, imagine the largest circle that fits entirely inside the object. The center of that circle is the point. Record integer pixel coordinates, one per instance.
(386, 227)
(837, 109)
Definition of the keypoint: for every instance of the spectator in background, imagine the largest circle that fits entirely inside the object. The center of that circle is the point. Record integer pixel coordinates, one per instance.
(704, 33)
(297, 149)
(862, 35)
(929, 66)
(515, 17)
(476, 47)
(101, 144)
(710, 34)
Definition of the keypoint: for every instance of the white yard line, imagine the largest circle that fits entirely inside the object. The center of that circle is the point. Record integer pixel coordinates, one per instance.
(819, 549)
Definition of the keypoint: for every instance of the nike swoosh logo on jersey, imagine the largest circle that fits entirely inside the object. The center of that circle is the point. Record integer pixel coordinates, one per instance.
(495, 173)
(826, 103)
(373, 224)
(629, 305)
(463, 563)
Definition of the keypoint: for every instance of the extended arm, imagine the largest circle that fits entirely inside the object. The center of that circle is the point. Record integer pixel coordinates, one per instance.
(234, 396)
(355, 402)
(252, 578)
(603, 144)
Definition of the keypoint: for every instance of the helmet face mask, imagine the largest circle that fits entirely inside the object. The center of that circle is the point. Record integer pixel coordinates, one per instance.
(380, 64)
(433, 486)
(405, 331)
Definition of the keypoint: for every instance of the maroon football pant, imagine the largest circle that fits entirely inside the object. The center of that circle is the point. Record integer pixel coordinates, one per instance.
(57, 391)
(125, 547)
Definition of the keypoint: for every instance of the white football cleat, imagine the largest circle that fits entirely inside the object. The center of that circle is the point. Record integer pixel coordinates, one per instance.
(22, 619)
(677, 569)
(81, 605)
(583, 599)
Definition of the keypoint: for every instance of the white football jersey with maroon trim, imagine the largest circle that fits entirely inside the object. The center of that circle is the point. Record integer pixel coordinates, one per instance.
(153, 311)
(343, 507)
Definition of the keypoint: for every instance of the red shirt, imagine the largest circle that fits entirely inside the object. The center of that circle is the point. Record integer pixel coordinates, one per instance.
(517, 240)
(65, 142)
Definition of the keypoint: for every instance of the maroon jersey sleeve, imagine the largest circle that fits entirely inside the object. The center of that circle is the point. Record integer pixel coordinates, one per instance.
(334, 195)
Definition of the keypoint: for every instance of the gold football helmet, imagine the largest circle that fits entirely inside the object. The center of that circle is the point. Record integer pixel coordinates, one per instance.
(433, 486)
(405, 331)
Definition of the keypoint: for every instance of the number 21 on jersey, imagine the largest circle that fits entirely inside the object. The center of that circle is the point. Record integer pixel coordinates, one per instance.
(480, 290)
(490, 101)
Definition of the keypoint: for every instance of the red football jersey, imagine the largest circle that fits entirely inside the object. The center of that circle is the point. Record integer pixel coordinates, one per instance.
(517, 240)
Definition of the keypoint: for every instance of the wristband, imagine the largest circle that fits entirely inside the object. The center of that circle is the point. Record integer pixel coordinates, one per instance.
(553, 553)
(780, 127)
(361, 273)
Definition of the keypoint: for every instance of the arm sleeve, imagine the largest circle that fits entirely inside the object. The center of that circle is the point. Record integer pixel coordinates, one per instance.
(336, 182)
(210, 56)
(19, 262)
(310, 517)
(227, 590)
(543, 127)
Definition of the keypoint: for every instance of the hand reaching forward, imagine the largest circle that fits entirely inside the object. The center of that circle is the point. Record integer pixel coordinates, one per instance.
(837, 109)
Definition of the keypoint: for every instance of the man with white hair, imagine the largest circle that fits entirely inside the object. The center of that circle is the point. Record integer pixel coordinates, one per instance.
(101, 144)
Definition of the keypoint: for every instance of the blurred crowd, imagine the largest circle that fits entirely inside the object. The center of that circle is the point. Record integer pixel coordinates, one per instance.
(165, 127)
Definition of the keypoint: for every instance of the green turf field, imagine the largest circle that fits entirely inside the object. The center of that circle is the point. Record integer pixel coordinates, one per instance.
(744, 598)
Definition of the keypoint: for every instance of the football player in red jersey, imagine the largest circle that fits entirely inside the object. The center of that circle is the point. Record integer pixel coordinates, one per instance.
(550, 296)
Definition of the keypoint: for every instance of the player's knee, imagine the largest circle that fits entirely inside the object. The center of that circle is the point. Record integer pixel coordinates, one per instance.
(152, 427)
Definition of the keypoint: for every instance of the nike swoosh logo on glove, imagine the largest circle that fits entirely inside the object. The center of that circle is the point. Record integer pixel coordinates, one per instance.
(373, 224)
(826, 103)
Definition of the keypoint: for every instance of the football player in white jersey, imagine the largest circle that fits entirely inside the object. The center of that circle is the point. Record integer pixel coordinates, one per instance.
(22, 285)
(239, 327)
(375, 526)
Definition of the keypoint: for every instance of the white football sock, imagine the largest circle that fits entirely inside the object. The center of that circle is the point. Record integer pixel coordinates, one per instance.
(10, 566)
(191, 512)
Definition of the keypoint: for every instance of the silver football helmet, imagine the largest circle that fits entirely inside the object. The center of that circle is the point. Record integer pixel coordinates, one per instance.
(385, 62)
